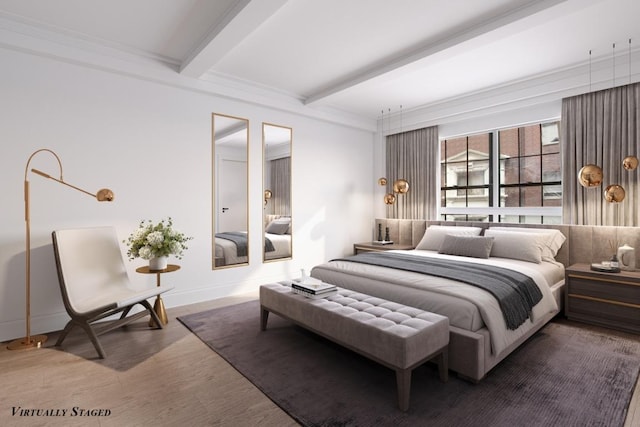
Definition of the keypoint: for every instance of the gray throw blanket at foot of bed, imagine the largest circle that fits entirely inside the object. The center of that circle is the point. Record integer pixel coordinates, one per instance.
(516, 293)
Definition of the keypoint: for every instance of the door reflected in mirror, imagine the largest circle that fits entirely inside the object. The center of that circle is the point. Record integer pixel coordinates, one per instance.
(230, 165)
(277, 219)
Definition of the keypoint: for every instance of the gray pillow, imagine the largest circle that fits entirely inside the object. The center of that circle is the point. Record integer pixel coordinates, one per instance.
(471, 246)
(278, 226)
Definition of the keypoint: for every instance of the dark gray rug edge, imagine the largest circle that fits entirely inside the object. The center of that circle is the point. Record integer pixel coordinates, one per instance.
(185, 322)
(194, 322)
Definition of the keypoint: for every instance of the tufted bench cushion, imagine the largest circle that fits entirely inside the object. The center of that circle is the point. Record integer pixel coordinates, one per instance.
(392, 334)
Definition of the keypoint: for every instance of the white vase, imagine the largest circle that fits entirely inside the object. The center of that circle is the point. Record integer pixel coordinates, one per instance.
(158, 263)
(627, 257)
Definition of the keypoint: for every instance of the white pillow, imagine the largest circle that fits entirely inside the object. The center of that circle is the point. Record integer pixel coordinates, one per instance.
(552, 243)
(434, 235)
(516, 245)
(278, 226)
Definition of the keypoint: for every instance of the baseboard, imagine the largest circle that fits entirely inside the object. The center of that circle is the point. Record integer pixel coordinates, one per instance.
(45, 324)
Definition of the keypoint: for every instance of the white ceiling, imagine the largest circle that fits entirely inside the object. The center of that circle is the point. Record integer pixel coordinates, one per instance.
(358, 56)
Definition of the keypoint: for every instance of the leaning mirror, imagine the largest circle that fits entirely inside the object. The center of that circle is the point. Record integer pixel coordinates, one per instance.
(276, 149)
(230, 137)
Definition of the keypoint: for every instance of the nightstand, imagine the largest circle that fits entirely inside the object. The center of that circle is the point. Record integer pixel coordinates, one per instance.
(611, 300)
(372, 247)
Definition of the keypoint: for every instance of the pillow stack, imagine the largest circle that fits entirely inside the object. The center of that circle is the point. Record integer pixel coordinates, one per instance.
(435, 234)
(525, 244)
(454, 240)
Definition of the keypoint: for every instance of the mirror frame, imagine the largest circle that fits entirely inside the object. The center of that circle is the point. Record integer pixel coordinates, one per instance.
(265, 188)
(217, 262)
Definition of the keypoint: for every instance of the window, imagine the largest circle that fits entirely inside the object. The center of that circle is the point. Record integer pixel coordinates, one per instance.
(508, 175)
(465, 171)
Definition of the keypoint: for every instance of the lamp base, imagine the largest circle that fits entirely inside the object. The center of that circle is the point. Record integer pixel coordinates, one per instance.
(35, 341)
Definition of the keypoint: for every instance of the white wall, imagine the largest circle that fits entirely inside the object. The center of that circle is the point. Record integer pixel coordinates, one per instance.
(150, 143)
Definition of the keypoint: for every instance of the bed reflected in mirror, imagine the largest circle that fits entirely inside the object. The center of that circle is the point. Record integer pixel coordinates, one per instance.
(230, 166)
(277, 219)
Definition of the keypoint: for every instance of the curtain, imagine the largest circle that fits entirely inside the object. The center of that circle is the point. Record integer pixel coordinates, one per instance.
(413, 156)
(281, 186)
(601, 128)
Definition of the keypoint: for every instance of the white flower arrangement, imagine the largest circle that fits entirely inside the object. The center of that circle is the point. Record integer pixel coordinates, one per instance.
(156, 240)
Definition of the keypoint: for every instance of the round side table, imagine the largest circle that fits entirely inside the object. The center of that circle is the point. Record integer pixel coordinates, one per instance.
(158, 306)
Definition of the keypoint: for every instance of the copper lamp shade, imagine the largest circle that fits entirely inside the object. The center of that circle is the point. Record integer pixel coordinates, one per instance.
(389, 199)
(382, 181)
(630, 163)
(400, 186)
(614, 193)
(105, 195)
(590, 176)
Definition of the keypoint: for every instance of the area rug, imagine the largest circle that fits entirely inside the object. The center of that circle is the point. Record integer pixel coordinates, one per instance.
(565, 375)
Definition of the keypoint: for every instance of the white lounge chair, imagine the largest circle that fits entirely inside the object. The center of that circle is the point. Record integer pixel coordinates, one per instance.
(94, 282)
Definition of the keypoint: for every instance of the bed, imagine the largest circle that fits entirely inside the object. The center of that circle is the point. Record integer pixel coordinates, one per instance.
(481, 335)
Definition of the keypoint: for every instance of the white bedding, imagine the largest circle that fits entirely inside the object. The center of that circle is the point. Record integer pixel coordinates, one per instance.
(282, 244)
(468, 307)
(227, 250)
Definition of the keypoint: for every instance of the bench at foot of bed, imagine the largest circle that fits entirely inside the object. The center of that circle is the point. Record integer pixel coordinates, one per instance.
(394, 335)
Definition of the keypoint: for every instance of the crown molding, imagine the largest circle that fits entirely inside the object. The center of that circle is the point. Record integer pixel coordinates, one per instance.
(61, 46)
(543, 88)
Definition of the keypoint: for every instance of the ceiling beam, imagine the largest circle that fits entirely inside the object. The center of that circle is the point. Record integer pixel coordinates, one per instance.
(456, 38)
(240, 21)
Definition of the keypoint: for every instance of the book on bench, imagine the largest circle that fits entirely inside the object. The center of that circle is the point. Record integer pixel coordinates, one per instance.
(313, 287)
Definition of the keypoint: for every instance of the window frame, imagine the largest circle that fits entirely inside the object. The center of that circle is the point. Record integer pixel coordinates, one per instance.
(494, 212)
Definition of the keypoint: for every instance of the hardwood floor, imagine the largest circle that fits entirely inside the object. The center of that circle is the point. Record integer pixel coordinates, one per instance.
(149, 378)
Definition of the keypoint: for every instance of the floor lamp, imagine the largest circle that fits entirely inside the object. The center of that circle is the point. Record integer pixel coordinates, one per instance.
(103, 195)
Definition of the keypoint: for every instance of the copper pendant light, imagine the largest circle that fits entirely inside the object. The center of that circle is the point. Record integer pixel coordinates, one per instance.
(630, 163)
(590, 176)
(389, 199)
(400, 186)
(614, 193)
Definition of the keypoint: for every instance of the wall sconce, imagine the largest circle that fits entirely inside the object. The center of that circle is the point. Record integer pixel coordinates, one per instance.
(103, 195)
(400, 186)
(267, 196)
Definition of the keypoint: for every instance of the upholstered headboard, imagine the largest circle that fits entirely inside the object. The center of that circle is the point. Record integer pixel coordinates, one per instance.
(584, 243)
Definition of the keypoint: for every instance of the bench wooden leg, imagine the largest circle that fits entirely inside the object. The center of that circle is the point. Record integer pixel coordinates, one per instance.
(403, 381)
(443, 365)
(264, 316)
